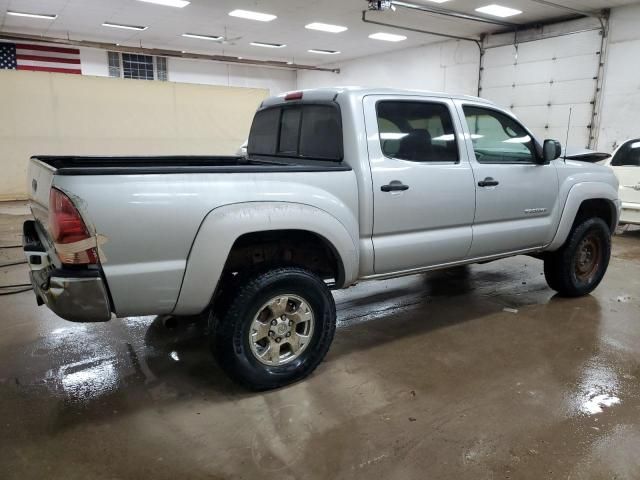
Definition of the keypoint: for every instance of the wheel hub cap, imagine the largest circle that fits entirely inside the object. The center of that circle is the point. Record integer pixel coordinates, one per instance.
(588, 258)
(281, 330)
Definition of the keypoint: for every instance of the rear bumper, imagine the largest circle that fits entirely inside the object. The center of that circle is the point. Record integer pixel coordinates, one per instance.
(75, 295)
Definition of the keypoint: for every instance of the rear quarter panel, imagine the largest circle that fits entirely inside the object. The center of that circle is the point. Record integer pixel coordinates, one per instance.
(151, 221)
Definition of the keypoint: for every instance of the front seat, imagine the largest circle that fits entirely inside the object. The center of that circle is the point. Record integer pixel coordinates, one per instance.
(416, 146)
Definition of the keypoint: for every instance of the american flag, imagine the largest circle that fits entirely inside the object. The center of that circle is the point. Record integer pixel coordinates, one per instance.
(41, 58)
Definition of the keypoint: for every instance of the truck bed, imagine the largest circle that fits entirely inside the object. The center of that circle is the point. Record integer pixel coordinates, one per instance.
(130, 165)
(149, 210)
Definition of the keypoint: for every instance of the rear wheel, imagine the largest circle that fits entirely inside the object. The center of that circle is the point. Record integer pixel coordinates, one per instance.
(276, 329)
(580, 264)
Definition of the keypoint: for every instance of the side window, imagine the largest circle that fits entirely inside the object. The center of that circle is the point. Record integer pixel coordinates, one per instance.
(628, 155)
(417, 131)
(498, 138)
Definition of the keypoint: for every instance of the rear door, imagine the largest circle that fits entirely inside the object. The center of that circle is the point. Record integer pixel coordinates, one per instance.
(516, 197)
(423, 187)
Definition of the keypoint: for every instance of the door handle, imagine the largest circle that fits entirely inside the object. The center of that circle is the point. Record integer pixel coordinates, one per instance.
(394, 186)
(488, 182)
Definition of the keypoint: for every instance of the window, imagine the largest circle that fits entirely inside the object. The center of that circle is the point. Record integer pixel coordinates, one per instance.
(137, 66)
(114, 64)
(417, 131)
(310, 131)
(141, 67)
(263, 138)
(289, 128)
(498, 138)
(161, 69)
(628, 155)
(321, 132)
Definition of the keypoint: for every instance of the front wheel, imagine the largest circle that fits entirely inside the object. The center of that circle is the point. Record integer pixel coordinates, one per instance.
(276, 330)
(580, 264)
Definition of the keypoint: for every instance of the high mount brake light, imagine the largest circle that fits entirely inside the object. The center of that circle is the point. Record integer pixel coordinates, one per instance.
(66, 226)
(293, 96)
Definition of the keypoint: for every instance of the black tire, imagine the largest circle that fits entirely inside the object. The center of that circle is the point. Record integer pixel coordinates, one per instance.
(569, 270)
(230, 341)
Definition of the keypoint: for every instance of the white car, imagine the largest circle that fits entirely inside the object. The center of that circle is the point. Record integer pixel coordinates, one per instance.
(625, 163)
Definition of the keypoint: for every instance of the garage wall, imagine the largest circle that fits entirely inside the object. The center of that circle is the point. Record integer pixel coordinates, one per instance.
(450, 66)
(620, 111)
(72, 114)
(542, 80)
(275, 80)
(550, 76)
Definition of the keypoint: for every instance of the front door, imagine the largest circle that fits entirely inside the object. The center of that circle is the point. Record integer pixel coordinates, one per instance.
(516, 196)
(423, 186)
(626, 165)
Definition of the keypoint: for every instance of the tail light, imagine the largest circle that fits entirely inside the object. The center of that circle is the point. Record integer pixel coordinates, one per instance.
(66, 226)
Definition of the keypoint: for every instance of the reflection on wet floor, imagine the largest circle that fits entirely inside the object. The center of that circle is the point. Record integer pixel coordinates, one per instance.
(476, 372)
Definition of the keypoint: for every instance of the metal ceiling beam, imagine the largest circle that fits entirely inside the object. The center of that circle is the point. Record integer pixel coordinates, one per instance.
(451, 13)
(599, 15)
(564, 7)
(428, 32)
(164, 52)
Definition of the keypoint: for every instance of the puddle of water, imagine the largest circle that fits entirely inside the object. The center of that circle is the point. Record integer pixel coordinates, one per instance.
(598, 402)
(597, 389)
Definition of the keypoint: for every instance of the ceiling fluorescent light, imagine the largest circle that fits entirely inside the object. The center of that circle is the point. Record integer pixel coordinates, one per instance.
(268, 45)
(498, 11)
(126, 27)
(323, 52)
(325, 27)
(169, 3)
(249, 15)
(43, 16)
(202, 37)
(438, 1)
(387, 37)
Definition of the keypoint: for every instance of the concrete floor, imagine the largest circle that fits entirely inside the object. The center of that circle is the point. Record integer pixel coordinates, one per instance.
(472, 373)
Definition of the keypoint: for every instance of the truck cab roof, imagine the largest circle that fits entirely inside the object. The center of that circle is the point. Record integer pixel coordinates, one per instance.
(328, 94)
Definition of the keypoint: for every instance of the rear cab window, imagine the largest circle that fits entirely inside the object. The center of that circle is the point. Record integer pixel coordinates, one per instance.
(299, 131)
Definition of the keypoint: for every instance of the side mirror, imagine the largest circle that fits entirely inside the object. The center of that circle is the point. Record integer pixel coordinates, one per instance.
(551, 149)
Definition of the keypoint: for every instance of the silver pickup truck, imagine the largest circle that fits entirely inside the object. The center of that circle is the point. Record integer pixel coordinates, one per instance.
(339, 185)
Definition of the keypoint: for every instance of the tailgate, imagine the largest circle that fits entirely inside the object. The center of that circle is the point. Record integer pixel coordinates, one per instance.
(40, 177)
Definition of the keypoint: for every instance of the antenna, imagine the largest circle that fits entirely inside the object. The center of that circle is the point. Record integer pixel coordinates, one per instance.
(566, 141)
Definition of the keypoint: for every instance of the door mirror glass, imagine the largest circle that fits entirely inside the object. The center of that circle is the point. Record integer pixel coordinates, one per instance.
(551, 150)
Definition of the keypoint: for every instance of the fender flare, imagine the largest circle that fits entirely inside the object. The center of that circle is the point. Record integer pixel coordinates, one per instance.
(222, 226)
(578, 194)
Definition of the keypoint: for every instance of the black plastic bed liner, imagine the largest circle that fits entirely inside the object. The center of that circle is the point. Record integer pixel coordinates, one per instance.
(136, 165)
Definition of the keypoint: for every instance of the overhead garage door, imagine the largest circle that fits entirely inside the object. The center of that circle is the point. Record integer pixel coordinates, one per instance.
(541, 80)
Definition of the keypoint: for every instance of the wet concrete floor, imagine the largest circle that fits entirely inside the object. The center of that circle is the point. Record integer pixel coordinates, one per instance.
(473, 373)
